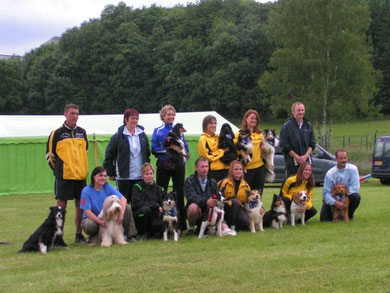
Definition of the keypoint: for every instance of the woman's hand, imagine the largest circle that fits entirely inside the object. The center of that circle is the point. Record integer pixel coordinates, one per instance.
(160, 211)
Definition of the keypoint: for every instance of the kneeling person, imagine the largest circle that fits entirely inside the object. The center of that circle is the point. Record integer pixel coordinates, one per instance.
(92, 199)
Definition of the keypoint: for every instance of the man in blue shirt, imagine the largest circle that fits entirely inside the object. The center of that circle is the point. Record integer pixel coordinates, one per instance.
(346, 174)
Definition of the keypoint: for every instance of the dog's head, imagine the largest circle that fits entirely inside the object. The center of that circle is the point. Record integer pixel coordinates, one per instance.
(169, 201)
(57, 212)
(244, 134)
(111, 208)
(277, 201)
(226, 131)
(179, 129)
(254, 195)
(270, 134)
(300, 197)
(339, 189)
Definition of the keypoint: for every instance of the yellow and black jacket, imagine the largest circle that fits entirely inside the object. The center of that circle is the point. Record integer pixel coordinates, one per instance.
(66, 153)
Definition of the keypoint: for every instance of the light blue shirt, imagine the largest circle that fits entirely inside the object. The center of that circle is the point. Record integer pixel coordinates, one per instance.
(203, 183)
(349, 176)
(135, 153)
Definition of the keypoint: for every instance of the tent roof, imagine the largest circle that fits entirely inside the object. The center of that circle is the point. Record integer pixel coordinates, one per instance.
(42, 125)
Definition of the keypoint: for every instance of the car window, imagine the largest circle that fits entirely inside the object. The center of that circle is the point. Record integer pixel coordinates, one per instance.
(387, 149)
(317, 153)
(379, 148)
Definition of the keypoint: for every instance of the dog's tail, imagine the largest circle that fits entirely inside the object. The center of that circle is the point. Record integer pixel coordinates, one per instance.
(270, 176)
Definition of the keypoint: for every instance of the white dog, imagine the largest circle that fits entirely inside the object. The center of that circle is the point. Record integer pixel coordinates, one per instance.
(253, 208)
(298, 201)
(213, 217)
(113, 232)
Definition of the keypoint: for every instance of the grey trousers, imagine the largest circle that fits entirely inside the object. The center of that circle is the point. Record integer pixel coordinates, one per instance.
(91, 228)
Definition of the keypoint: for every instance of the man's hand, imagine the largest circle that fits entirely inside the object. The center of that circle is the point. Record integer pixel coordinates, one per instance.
(211, 202)
(339, 205)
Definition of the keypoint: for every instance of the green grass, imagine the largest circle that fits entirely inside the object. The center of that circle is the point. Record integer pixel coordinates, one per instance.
(318, 257)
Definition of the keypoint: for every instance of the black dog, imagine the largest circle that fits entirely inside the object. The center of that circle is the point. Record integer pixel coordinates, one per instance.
(48, 234)
(226, 137)
(170, 216)
(176, 152)
(277, 216)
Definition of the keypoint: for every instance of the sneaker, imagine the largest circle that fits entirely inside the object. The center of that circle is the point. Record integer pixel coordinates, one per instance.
(190, 232)
(79, 238)
(229, 232)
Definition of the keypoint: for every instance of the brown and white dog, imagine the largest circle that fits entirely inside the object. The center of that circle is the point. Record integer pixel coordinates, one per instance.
(253, 208)
(299, 200)
(340, 193)
(113, 231)
(213, 216)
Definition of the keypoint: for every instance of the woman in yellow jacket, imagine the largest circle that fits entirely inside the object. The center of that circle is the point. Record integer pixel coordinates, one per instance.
(208, 148)
(303, 180)
(255, 169)
(235, 190)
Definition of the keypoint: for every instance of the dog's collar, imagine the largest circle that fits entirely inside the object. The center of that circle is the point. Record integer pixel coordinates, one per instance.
(171, 213)
(253, 204)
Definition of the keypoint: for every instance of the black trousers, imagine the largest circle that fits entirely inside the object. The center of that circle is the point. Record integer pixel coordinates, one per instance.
(147, 221)
(177, 174)
(235, 215)
(308, 213)
(218, 175)
(256, 177)
(326, 210)
(126, 188)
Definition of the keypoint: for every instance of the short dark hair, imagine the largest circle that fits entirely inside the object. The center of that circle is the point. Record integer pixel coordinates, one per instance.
(97, 170)
(340, 151)
(200, 159)
(206, 121)
(70, 106)
(128, 113)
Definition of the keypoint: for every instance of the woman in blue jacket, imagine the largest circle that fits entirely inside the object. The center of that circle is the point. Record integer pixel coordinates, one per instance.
(126, 152)
(165, 170)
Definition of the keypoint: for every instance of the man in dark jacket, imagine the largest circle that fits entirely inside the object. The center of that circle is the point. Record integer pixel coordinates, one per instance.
(297, 139)
(198, 189)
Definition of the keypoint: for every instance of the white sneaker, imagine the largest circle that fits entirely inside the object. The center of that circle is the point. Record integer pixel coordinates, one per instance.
(229, 232)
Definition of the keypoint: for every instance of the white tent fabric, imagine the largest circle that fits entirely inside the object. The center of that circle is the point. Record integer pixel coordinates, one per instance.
(42, 125)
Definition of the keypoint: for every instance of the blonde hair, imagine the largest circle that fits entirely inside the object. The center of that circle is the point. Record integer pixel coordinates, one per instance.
(230, 175)
(145, 167)
(165, 109)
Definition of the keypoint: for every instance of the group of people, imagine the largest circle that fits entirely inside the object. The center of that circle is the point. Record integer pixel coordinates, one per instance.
(127, 161)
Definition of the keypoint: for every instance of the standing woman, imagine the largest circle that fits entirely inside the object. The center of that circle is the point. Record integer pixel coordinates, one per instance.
(235, 190)
(303, 180)
(126, 152)
(166, 171)
(208, 148)
(255, 169)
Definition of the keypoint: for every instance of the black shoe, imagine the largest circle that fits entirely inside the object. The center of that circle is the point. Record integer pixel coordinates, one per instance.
(132, 239)
(79, 238)
(142, 237)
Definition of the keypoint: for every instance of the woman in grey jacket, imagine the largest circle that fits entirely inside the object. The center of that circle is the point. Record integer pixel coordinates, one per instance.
(126, 152)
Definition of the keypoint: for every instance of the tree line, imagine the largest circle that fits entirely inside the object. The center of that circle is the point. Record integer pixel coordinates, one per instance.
(222, 55)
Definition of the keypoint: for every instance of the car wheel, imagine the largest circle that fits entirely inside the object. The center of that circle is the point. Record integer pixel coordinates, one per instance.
(385, 181)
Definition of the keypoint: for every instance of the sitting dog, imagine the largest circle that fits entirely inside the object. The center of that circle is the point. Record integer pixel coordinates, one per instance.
(176, 152)
(340, 193)
(170, 216)
(277, 215)
(270, 137)
(299, 200)
(245, 145)
(213, 216)
(113, 231)
(226, 137)
(253, 208)
(49, 234)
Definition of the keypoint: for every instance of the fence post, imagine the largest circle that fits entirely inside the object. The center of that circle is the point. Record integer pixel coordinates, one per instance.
(344, 142)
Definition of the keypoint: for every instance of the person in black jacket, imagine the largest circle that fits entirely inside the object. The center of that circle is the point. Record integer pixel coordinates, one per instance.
(126, 152)
(147, 204)
(297, 139)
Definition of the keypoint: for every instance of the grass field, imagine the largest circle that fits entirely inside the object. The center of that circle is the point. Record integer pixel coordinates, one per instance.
(318, 257)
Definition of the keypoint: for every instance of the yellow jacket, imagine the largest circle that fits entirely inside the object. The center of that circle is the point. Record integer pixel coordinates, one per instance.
(289, 189)
(257, 160)
(208, 148)
(226, 186)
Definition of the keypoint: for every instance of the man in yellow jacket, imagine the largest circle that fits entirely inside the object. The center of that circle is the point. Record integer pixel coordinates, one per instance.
(66, 154)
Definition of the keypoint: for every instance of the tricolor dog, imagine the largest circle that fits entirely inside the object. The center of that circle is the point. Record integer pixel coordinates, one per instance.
(254, 208)
(298, 201)
(170, 217)
(213, 216)
(245, 145)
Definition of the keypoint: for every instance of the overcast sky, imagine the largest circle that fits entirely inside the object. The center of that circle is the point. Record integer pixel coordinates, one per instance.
(26, 24)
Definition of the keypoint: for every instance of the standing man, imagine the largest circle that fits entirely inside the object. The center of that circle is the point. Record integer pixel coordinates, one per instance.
(297, 139)
(346, 174)
(66, 154)
(198, 189)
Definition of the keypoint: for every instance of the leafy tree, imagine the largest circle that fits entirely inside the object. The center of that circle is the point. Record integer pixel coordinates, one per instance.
(12, 86)
(322, 59)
